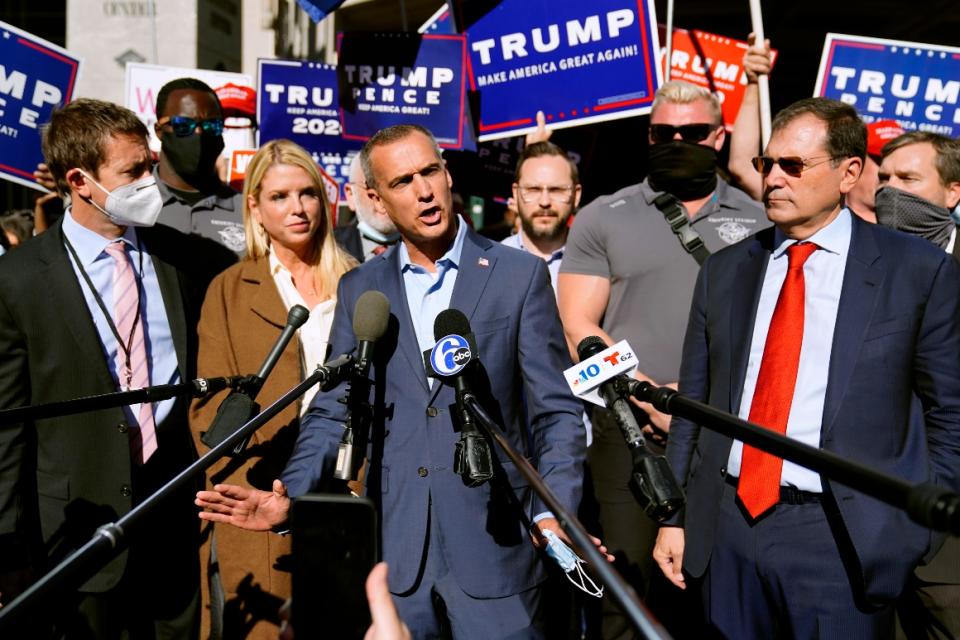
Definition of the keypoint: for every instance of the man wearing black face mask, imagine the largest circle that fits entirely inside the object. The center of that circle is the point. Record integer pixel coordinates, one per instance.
(195, 201)
(919, 185)
(630, 269)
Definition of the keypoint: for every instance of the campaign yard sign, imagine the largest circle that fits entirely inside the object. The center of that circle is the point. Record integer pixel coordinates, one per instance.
(711, 61)
(917, 85)
(299, 101)
(387, 79)
(35, 77)
(578, 62)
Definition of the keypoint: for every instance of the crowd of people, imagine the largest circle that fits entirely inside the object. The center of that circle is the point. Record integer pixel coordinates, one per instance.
(816, 293)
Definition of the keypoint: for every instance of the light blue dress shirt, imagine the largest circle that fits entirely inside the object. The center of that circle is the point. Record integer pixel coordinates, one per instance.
(823, 280)
(161, 353)
(429, 293)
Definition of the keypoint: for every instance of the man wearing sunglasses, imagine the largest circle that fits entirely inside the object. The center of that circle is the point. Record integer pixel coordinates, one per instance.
(840, 334)
(195, 201)
(628, 274)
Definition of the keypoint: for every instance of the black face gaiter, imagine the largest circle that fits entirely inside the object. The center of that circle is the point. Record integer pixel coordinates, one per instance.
(683, 169)
(912, 214)
(192, 157)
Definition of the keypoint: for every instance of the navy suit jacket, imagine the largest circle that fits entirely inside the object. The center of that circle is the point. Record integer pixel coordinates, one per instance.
(897, 340)
(507, 296)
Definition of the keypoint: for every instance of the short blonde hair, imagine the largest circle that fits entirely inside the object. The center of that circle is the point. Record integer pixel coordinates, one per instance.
(328, 259)
(681, 92)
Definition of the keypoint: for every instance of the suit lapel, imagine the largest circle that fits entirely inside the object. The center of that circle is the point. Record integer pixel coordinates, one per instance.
(265, 301)
(743, 311)
(65, 289)
(472, 273)
(861, 282)
(390, 282)
(173, 301)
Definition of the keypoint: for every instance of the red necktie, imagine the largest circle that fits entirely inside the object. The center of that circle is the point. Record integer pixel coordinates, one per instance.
(759, 487)
(377, 250)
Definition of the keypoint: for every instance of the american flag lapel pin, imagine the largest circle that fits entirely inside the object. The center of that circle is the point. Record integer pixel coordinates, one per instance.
(483, 262)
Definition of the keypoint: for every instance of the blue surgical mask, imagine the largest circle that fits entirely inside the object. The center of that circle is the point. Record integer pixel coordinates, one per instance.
(571, 564)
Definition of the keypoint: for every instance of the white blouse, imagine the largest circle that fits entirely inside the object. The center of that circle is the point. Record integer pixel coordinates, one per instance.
(314, 335)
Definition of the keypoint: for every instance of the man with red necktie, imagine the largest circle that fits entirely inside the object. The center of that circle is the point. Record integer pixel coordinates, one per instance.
(841, 335)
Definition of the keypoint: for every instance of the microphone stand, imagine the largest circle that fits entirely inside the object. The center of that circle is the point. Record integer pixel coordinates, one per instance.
(196, 388)
(926, 503)
(112, 538)
(622, 592)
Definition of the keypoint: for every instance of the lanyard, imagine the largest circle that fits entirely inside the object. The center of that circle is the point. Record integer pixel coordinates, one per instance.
(125, 347)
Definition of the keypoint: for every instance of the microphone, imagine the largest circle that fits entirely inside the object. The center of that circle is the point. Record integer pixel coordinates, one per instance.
(296, 318)
(238, 407)
(450, 359)
(206, 386)
(371, 315)
(651, 480)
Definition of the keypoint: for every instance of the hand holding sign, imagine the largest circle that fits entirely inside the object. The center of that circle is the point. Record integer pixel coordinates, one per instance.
(756, 59)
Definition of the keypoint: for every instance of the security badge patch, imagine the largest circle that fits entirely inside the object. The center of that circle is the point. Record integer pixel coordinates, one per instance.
(732, 232)
(231, 235)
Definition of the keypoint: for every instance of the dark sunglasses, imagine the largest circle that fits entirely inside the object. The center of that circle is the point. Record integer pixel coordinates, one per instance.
(791, 165)
(661, 133)
(183, 126)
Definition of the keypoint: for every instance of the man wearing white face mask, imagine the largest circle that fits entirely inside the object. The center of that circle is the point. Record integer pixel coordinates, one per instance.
(104, 301)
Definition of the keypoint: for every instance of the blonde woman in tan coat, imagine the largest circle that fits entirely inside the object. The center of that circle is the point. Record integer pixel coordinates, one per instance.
(292, 258)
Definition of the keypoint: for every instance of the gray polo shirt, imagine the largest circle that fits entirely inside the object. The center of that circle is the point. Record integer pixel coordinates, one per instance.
(625, 238)
(218, 217)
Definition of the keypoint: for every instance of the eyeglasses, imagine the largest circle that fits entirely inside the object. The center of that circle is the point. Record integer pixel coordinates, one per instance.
(183, 126)
(661, 133)
(791, 165)
(557, 194)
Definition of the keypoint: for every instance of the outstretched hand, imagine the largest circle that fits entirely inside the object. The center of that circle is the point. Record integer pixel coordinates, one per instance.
(243, 507)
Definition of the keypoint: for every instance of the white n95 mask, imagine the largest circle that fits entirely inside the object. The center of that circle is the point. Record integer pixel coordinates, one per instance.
(137, 204)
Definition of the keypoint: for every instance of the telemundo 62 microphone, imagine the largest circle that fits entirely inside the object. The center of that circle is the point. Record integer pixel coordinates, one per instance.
(371, 315)
(450, 360)
(601, 378)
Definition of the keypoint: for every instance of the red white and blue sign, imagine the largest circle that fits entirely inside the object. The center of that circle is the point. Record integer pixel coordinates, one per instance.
(917, 85)
(578, 62)
(402, 78)
(35, 77)
(442, 22)
(299, 101)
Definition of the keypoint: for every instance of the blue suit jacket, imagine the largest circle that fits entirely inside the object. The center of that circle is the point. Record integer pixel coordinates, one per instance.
(506, 294)
(897, 340)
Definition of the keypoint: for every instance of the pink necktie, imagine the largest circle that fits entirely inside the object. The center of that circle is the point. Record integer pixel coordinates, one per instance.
(759, 487)
(132, 369)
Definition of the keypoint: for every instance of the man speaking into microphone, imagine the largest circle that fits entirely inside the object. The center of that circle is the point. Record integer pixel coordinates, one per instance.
(459, 556)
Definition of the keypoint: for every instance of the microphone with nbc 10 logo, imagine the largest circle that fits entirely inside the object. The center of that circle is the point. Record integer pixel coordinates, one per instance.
(603, 377)
(449, 360)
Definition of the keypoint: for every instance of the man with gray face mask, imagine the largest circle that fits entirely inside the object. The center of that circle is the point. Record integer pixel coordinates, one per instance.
(369, 233)
(919, 185)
